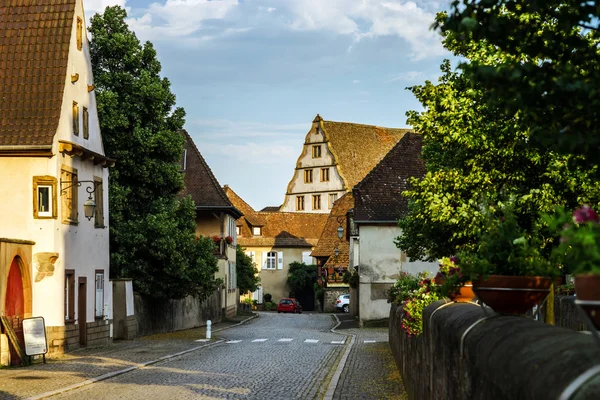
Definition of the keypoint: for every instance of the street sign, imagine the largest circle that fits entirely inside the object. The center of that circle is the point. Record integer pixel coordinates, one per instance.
(34, 333)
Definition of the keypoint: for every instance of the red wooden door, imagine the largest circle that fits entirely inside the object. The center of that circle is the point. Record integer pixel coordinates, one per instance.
(14, 306)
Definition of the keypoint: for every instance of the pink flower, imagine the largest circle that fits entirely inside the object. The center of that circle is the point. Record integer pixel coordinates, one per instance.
(585, 214)
(454, 260)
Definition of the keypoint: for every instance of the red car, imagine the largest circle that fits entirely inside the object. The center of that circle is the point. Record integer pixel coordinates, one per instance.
(289, 305)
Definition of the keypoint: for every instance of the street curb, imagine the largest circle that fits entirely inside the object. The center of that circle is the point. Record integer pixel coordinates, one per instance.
(340, 367)
(238, 324)
(117, 373)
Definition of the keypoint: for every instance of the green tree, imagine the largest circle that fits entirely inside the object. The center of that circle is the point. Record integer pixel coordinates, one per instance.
(247, 273)
(301, 277)
(476, 155)
(152, 231)
(550, 72)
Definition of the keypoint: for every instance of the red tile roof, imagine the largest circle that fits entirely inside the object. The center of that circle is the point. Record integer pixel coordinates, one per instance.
(329, 239)
(34, 48)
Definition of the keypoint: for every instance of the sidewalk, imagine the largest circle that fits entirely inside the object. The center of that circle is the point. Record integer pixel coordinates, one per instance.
(84, 366)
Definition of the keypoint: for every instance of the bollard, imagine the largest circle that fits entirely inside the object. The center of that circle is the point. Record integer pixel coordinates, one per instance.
(208, 326)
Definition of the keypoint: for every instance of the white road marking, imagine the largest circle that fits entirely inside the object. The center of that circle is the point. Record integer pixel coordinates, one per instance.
(259, 340)
(203, 340)
(337, 342)
(233, 341)
(369, 341)
(311, 341)
(285, 340)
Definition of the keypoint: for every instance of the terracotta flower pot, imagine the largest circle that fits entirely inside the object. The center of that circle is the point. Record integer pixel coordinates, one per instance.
(587, 287)
(464, 294)
(512, 294)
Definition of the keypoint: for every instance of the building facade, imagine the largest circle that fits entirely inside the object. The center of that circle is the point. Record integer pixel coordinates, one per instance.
(54, 259)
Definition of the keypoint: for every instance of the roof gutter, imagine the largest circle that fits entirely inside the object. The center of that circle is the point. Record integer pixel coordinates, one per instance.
(236, 213)
(26, 150)
(376, 222)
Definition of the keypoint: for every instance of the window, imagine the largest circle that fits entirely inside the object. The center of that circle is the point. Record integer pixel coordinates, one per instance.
(332, 198)
(99, 294)
(75, 119)
(299, 203)
(79, 33)
(232, 279)
(238, 230)
(68, 179)
(308, 176)
(99, 200)
(271, 260)
(306, 258)
(316, 202)
(44, 197)
(70, 295)
(232, 229)
(316, 151)
(86, 123)
(257, 230)
(324, 174)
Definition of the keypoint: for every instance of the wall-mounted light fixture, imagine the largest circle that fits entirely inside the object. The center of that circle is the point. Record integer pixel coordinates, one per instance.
(90, 205)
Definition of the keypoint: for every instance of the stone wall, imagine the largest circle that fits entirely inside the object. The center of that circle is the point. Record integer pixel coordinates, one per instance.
(330, 296)
(173, 315)
(501, 357)
(98, 333)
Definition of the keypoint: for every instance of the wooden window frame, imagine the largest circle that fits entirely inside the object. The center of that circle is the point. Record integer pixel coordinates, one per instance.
(331, 202)
(44, 181)
(324, 174)
(308, 176)
(270, 258)
(299, 203)
(259, 230)
(99, 200)
(69, 296)
(316, 202)
(69, 215)
(79, 33)
(75, 118)
(86, 123)
(316, 151)
(96, 272)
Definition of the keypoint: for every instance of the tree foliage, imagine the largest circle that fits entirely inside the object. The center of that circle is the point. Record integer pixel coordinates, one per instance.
(477, 154)
(549, 75)
(301, 277)
(152, 232)
(247, 273)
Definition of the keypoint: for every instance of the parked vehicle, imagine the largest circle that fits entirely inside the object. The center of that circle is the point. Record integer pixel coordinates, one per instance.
(289, 305)
(343, 303)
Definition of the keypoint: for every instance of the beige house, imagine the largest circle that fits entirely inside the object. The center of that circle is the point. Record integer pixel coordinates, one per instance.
(275, 239)
(54, 246)
(215, 217)
(334, 158)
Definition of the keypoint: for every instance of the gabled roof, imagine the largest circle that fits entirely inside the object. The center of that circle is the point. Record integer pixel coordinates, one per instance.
(201, 184)
(358, 148)
(378, 197)
(271, 209)
(279, 229)
(34, 50)
(329, 239)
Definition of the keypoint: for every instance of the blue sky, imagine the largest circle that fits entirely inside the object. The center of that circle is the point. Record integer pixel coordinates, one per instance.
(252, 74)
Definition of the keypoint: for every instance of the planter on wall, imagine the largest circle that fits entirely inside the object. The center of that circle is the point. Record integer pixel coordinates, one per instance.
(512, 294)
(587, 287)
(465, 293)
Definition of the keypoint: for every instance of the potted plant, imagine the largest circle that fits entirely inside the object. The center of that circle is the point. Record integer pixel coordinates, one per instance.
(412, 320)
(404, 287)
(508, 270)
(579, 252)
(228, 240)
(451, 282)
(216, 239)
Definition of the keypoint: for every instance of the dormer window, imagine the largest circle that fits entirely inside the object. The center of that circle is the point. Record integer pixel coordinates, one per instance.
(75, 118)
(238, 230)
(316, 151)
(79, 33)
(257, 230)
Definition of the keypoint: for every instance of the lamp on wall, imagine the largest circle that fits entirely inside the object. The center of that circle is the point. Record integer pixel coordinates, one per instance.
(90, 205)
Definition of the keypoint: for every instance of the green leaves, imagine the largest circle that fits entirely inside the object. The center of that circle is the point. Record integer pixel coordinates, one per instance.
(247, 273)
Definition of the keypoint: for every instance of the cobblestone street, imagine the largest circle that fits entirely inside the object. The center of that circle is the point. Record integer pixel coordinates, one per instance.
(271, 357)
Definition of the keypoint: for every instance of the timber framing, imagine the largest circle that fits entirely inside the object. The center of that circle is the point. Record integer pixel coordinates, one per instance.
(73, 150)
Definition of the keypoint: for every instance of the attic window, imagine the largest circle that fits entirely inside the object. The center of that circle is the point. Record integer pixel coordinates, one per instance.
(316, 202)
(316, 151)
(238, 230)
(75, 119)
(299, 203)
(308, 178)
(332, 198)
(79, 33)
(257, 230)
(86, 123)
(324, 174)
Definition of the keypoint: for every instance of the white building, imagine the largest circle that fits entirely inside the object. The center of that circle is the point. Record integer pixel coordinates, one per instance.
(54, 262)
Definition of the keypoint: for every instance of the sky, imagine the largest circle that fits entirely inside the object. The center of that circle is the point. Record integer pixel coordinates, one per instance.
(252, 74)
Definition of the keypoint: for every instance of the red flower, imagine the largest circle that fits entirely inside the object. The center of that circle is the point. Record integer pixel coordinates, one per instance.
(585, 214)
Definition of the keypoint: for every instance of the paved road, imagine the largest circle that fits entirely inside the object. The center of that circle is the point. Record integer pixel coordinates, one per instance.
(275, 356)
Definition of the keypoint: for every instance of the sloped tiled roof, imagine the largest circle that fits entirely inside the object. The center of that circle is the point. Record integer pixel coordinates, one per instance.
(201, 183)
(279, 229)
(358, 148)
(329, 239)
(378, 197)
(271, 209)
(34, 49)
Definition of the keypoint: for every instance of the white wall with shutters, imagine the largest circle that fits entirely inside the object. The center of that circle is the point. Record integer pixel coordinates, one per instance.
(306, 258)
(280, 260)
(258, 295)
(264, 259)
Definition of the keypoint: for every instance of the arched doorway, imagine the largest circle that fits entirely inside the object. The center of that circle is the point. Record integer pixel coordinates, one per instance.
(14, 305)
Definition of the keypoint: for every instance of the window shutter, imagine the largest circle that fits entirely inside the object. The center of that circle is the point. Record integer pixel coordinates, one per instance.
(279, 260)
(260, 294)
(99, 295)
(306, 258)
(264, 260)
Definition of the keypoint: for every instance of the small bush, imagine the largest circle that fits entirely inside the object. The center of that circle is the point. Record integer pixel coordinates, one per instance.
(267, 298)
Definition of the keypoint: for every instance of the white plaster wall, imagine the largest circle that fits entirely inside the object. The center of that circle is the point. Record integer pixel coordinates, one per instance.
(129, 304)
(83, 247)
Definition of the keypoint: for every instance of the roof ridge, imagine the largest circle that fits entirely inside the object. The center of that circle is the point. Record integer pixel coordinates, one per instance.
(212, 177)
(374, 126)
(227, 187)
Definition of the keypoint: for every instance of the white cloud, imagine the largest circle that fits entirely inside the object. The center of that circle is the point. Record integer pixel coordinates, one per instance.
(408, 76)
(355, 81)
(250, 153)
(92, 7)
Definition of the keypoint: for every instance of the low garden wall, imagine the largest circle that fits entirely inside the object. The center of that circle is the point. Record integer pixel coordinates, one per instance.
(500, 357)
